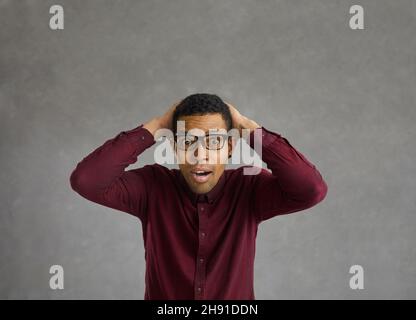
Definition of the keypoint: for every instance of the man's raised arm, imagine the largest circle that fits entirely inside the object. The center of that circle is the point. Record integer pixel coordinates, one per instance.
(294, 184)
(101, 176)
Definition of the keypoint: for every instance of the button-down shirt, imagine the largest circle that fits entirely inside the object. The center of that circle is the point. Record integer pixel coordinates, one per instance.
(198, 246)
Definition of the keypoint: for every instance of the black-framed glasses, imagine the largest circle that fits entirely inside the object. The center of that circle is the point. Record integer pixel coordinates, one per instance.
(213, 141)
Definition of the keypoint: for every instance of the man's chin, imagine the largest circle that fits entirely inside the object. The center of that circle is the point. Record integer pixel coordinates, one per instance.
(201, 188)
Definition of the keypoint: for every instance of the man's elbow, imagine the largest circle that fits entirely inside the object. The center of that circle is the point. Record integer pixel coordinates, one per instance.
(86, 186)
(78, 182)
(74, 180)
(317, 194)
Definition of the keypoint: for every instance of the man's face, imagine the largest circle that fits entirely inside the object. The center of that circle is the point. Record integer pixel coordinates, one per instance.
(207, 165)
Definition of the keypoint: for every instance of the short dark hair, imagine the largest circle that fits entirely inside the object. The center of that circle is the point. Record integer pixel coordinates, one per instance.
(202, 104)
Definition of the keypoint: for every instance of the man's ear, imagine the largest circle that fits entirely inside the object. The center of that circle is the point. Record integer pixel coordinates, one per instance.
(172, 144)
(230, 147)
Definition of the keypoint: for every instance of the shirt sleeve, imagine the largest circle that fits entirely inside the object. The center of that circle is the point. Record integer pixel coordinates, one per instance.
(101, 176)
(294, 183)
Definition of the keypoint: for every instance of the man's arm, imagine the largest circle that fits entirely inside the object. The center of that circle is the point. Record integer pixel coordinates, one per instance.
(294, 184)
(101, 177)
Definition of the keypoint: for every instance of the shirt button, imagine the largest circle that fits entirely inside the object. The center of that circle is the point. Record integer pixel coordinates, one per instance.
(203, 234)
(201, 260)
(142, 137)
(199, 289)
(202, 209)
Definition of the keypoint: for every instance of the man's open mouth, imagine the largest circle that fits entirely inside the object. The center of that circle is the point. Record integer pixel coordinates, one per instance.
(201, 173)
(200, 176)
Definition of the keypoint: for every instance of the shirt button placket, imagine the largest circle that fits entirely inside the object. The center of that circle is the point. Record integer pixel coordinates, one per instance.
(200, 275)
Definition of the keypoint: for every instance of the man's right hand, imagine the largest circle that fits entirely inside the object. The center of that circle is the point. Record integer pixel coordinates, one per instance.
(163, 122)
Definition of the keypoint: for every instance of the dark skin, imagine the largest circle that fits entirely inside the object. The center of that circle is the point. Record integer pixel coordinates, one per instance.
(212, 162)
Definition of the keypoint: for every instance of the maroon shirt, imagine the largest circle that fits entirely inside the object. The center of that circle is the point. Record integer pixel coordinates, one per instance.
(198, 246)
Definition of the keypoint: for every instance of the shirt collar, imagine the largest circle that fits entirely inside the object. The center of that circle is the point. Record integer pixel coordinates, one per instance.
(209, 197)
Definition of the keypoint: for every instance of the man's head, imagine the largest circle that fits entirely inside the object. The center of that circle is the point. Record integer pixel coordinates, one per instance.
(204, 115)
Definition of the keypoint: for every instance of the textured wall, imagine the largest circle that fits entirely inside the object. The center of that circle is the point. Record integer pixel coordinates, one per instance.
(345, 98)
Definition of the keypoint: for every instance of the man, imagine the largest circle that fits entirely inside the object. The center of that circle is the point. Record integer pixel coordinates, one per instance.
(200, 221)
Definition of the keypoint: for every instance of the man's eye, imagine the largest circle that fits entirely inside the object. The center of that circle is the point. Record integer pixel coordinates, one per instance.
(190, 140)
(214, 141)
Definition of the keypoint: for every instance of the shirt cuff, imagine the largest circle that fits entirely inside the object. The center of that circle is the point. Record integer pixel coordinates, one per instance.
(139, 135)
(266, 137)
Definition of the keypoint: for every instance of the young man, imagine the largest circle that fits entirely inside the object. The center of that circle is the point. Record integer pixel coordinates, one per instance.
(199, 222)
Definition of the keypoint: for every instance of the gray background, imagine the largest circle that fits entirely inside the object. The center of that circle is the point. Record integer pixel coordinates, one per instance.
(345, 98)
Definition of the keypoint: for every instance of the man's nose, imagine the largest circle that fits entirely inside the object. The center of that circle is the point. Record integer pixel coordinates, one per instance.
(200, 152)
